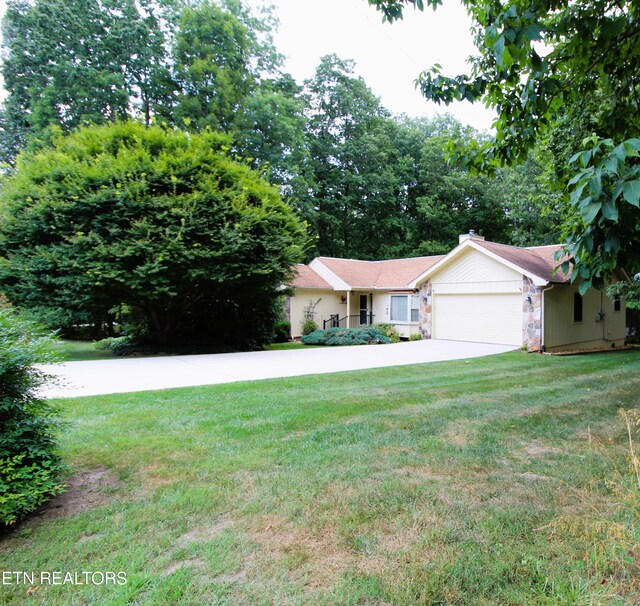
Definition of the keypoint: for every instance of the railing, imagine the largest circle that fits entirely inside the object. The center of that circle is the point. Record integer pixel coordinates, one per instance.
(357, 321)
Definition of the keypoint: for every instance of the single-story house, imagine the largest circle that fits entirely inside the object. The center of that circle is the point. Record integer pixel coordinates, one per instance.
(481, 291)
(352, 293)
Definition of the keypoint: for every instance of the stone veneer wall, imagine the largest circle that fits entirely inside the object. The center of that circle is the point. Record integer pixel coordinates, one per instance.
(426, 310)
(531, 315)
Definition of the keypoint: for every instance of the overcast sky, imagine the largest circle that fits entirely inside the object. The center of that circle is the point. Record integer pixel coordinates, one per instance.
(388, 56)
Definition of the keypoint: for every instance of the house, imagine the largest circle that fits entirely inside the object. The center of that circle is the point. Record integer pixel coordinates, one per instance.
(481, 291)
(351, 293)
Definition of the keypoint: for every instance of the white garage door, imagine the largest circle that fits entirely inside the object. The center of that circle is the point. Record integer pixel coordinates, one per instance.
(483, 318)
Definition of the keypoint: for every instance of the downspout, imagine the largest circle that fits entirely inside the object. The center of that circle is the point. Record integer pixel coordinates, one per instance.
(543, 347)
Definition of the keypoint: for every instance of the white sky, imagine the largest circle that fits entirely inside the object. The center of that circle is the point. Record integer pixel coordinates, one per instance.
(388, 56)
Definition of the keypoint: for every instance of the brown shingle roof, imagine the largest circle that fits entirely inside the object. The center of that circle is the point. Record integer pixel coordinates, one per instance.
(537, 260)
(392, 273)
(307, 278)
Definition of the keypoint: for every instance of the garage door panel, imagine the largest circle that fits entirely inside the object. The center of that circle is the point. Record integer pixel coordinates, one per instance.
(483, 318)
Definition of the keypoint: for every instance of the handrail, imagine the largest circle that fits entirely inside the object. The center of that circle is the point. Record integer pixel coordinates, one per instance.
(353, 321)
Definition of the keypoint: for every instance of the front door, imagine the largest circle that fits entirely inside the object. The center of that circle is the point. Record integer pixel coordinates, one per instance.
(364, 310)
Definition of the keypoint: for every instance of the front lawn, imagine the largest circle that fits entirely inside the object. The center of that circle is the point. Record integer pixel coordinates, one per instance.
(76, 351)
(502, 480)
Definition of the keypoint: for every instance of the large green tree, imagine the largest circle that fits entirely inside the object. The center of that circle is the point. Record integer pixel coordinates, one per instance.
(540, 60)
(77, 62)
(212, 64)
(353, 185)
(270, 132)
(444, 199)
(74, 62)
(151, 226)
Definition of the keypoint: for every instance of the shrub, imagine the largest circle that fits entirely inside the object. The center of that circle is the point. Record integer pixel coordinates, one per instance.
(346, 336)
(152, 227)
(30, 469)
(309, 326)
(118, 346)
(415, 336)
(282, 332)
(389, 330)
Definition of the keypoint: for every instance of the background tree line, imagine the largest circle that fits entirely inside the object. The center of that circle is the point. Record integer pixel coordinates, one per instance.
(367, 183)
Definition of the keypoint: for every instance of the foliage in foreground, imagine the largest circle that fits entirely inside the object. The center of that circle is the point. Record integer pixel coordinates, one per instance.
(346, 336)
(536, 67)
(30, 468)
(153, 228)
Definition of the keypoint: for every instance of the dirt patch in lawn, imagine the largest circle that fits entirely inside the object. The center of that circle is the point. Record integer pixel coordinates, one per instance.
(538, 450)
(193, 563)
(203, 534)
(317, 557)
(85, 490)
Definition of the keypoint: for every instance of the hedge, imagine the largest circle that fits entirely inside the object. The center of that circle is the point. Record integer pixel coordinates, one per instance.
(345, 336)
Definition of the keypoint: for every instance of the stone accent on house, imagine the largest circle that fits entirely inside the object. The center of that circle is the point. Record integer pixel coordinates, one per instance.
(531, 314)
(426, 310)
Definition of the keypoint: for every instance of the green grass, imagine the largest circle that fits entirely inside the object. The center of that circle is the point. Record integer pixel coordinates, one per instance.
(289, 345)
(75, 351)
(503, 480)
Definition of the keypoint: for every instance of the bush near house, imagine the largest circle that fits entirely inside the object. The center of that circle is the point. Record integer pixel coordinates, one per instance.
(346, 336)
(30, 469)
(308, 327)
(282, 332)
(415, 336)
(389, 330)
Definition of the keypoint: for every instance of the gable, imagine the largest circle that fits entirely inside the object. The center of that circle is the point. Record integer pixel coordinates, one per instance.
(471, 266)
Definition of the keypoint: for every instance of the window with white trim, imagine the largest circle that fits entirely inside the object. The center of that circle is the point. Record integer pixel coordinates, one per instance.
(404, 308)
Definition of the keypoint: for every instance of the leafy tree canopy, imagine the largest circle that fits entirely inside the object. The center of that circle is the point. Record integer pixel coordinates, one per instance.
(154, 226)
(188, 63)
(538, 61)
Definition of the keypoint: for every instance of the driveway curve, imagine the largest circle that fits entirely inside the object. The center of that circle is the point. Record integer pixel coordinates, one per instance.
(98, 377)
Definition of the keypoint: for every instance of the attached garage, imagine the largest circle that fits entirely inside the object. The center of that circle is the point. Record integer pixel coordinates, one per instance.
(475, 297)
(478, 317)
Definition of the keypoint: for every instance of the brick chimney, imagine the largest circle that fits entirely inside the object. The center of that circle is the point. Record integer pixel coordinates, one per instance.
(470, 236)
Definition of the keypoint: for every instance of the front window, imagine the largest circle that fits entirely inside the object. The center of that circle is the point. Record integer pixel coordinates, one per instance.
(405, 308)
(415, 308)
(399, 308)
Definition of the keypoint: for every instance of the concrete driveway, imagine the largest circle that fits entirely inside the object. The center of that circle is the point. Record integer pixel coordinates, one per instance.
(142, 374)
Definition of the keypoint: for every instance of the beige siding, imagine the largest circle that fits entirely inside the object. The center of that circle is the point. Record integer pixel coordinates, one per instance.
(473, 271)
(330, 303)
(381, 307)
(561, 332)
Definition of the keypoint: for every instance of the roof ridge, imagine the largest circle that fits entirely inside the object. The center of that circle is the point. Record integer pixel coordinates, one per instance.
(381, 260)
